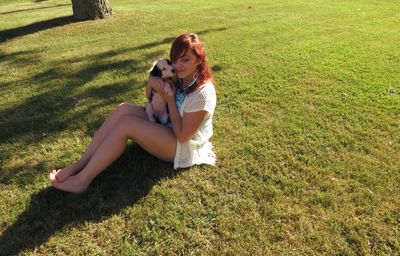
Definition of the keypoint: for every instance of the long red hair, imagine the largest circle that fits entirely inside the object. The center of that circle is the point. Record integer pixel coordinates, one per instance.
(191, 41)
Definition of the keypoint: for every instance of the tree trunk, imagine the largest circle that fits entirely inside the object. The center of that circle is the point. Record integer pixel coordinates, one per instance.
(91, 9)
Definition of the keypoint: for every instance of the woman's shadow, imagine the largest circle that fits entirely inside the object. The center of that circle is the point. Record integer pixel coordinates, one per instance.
(129, 179)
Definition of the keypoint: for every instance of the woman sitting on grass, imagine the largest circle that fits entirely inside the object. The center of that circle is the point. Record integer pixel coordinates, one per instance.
(186, 143)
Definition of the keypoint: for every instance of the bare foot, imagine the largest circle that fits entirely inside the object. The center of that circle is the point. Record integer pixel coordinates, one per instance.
(72, 184)
(62, 174)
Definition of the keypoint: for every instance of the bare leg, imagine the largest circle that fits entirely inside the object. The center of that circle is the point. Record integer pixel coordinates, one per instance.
(123, 109)
(156, 139)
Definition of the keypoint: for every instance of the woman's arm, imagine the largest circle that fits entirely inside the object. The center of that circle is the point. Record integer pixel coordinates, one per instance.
(184, 127)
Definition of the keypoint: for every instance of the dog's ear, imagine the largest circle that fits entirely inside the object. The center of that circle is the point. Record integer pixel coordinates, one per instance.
(155, 70)
(169, 62)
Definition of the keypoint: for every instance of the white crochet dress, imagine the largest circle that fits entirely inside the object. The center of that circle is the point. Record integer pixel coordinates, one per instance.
(198, 150)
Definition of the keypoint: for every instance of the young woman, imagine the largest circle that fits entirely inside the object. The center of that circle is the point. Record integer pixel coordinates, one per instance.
(184, 141)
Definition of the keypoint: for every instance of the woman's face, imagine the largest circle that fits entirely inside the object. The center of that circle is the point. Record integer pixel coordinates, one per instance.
(186, 65)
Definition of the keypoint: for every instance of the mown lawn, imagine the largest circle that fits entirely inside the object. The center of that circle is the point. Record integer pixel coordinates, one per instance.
(306, 129)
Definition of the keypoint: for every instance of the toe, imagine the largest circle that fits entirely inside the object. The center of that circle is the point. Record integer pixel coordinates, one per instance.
(51, 177)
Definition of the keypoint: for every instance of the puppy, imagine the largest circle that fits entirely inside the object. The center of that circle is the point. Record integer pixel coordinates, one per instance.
(156, 109)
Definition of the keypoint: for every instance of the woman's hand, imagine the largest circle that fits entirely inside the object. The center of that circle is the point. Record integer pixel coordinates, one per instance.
(157, 84)
(166, 94)
(153, 81)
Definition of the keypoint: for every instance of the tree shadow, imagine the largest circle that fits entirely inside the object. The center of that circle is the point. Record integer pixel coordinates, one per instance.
(35, 27)
(19, 58)
(58, 107)
(50, 210)
(169, 40)
(43, 113)
(206, 31)
(37, 8)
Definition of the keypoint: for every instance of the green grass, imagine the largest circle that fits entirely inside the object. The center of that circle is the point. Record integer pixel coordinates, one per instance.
(306, 130)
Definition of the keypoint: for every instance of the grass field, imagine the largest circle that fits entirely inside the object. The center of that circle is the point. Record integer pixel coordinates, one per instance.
(306, 129)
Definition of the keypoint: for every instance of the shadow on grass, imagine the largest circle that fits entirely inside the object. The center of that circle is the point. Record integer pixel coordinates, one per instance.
(58, 106)
(50, 210)
(35, 27)
(37, 8)
(43, 113)
(169, 40)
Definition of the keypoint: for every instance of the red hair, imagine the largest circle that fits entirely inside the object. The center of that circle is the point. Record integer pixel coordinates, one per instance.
(186, 42)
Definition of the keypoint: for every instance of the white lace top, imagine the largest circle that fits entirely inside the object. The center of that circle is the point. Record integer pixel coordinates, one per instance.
(198, 149)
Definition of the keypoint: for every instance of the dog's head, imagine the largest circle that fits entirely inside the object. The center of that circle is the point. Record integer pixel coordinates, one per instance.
(163, 68)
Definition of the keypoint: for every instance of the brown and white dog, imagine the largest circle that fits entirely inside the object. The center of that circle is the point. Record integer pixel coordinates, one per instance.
(156, 109)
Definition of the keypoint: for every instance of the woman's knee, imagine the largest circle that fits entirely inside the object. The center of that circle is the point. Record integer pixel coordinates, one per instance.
(124, 107)
(121, 110)
(129, 109)
(126, 125)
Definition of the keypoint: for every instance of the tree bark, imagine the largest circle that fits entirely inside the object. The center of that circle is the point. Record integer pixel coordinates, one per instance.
(91, 9)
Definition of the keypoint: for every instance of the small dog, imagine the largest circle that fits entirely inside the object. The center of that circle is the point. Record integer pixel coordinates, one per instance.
(156, 109)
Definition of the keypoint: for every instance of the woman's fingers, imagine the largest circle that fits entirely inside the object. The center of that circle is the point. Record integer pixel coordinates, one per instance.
(154, 82)
(158, 85)
(159, 88)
